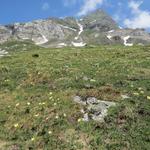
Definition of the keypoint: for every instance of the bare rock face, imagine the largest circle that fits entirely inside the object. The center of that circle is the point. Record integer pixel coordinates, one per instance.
(42, 31)
(5, 34)
(129, 37)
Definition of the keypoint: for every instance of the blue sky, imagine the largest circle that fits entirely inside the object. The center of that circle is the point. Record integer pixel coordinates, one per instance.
(128, 13)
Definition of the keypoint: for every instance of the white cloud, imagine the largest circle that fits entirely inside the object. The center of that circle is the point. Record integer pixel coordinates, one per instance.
(45, 6)
(135, 5)
(140, 19)
(89, 5)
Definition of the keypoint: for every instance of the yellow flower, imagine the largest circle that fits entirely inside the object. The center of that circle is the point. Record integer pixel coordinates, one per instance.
(142, 92)
(7, 80)
(137, 94)
(55, 104)
(50, 97)
(50, 93)
(16, 125)
(28, 103)
(65, 115)
(33, 139)
(17, 104)
(43, 103)
(92, 80)
(139, 88)
(36, 115)
(148, 97)
(49, 132)
(79, 120)
(57, 117)
(132, 85)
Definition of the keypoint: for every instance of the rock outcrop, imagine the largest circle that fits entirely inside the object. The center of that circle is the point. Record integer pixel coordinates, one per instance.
(94, 109)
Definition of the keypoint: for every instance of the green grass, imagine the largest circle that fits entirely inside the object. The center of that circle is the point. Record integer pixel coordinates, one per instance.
(36, 107)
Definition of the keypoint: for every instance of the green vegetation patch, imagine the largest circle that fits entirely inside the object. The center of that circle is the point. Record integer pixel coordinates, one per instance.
(36, 98)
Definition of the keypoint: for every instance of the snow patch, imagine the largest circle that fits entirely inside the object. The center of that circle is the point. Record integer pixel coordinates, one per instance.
(109, 37)
(62, 44)
(44, 40)
(66, 27)
(80, 30)
(3, 53)
(92, 21)
(126, 41)
(96, 35)
(80, 44)
(111, 31)
(25, 38)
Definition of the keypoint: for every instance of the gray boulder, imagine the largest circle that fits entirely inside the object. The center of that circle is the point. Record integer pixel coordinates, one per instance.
(94, 109)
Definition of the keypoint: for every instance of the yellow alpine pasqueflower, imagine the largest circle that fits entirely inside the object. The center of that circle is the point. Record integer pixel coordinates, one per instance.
(79, 120)
(148, 97)
(33, 139)
(137, 94)
(49, 132)
(16, 125)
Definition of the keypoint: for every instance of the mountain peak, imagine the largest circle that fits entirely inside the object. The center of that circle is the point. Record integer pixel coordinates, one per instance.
(96, 27)
(99, 20)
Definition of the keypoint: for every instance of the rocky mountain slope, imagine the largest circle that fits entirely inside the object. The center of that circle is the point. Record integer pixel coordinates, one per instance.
(95, 28)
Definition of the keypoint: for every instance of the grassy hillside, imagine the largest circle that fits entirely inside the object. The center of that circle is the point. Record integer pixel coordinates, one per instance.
(37, 86)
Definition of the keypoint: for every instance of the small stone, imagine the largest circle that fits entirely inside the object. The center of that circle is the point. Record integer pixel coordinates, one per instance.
(86, 117)
(92, 100)
(88, 86)
(85, 78)
(82, 111)
(79, 100)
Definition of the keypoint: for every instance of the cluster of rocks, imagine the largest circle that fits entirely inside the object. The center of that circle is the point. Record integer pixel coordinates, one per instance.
(94, 109)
